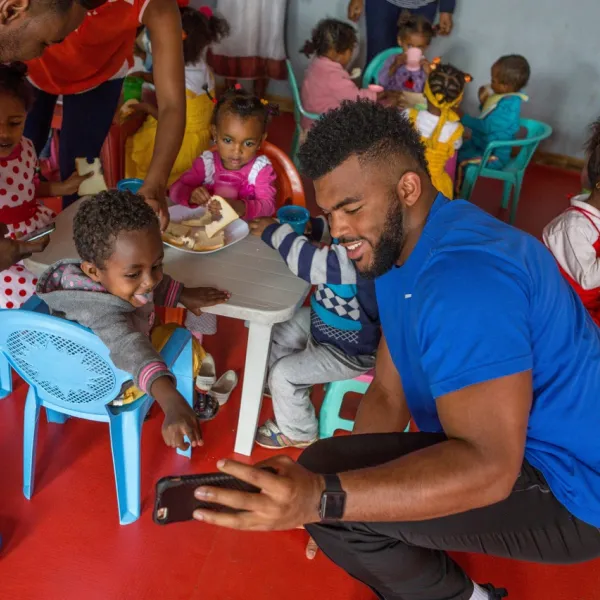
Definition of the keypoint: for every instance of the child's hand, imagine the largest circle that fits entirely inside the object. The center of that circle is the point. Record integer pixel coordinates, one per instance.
(195, 299)
(200, 197)
(71, 185)
(392, 98)
(181, 420)
(13, 251)
(398, 62)
(214, 207)
(259, 225)
(483, 94)
(426, 66)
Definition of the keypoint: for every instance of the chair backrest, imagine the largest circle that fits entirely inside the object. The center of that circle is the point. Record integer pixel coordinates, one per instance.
(536, 131)
(371, 74)
(299, 110)
(289, 184)
(67, 365)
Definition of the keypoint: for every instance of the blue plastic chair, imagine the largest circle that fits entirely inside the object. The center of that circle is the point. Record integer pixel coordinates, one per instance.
(299, 112)
(70, 374)
(371, 74)
(512, 174)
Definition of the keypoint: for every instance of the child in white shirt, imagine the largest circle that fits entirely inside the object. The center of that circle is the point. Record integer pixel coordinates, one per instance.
(574, 236)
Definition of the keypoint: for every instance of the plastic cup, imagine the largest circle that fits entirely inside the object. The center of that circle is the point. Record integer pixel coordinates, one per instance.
(295, 216)
(130, 185)
(376, 88)
(132, 88)
(413, 59)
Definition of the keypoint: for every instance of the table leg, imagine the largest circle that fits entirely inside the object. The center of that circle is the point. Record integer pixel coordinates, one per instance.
(257, 355)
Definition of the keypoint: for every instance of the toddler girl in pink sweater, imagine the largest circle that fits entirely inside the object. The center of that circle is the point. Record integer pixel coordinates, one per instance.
(233, 171)
(327, 82)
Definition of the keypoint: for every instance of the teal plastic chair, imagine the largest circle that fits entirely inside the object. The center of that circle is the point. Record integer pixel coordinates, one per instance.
(329, 417)
(512, 174)
(70, 374)
(299, 112)
(371, 74)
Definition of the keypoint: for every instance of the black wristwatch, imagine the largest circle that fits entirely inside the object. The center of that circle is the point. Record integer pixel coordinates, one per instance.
(333, 499)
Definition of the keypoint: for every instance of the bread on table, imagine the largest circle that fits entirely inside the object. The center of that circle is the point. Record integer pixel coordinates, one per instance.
(184, 236)
(228, 216)
(94, 184)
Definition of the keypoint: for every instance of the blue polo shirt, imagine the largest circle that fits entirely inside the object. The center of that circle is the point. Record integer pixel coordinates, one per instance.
(478, 300)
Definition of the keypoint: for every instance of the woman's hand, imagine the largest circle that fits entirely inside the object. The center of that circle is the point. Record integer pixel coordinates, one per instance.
(13, 251)
(289, 497)
(154, 194)
(446, 24)
(195, 299)
(355, 9)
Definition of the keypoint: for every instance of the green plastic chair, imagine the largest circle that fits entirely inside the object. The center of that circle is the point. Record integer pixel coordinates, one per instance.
(371, 74)
(299, 112)
(512, 174)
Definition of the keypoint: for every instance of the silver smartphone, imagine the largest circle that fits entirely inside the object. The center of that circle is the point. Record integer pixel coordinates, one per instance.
(38, 233)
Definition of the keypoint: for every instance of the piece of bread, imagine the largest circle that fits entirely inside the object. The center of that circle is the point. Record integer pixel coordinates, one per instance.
(95, 183)
(205, 219)
(202, 243)
(228, 215)
(178, 235)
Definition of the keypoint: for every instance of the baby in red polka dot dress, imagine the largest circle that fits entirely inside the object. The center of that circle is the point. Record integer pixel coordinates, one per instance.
(20, 187)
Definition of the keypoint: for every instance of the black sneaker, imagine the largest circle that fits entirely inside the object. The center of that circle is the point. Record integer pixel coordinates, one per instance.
(205, 406)
(495, 593)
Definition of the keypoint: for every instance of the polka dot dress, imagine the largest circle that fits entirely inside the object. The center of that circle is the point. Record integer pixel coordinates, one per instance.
(17, 186)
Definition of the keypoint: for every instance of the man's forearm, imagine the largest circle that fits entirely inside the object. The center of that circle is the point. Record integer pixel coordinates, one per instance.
(448, 478)
(169, 135)
(379, 413)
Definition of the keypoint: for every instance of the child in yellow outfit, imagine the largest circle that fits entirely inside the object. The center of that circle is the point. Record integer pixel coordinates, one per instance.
(439, 125)
(201, 28)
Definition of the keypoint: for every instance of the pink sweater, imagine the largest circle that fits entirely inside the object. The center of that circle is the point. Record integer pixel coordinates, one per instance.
(326, 84)
(254, 183)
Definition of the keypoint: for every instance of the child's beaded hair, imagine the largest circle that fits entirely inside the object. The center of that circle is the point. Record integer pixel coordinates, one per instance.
(330, 34)
(514, 71)
(447, 81)
(409, 24)
(13, 81)
(201, 28)
(101, 218)
(238, 102)
(592, 149)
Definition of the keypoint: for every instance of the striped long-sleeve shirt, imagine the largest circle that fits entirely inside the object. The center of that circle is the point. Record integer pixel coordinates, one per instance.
(343, 307)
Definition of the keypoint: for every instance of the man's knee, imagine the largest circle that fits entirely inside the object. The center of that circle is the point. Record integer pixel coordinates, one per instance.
(321, 456)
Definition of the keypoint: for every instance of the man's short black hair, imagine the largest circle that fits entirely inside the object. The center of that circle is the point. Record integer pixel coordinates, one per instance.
(362, 128)
(102, 217)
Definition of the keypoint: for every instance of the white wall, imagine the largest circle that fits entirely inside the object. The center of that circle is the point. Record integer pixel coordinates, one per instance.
(559, 38)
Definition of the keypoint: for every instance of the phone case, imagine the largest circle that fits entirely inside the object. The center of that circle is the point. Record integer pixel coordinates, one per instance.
(175, 499)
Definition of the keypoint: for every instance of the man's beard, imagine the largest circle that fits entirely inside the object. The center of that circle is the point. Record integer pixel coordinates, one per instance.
(387, 251)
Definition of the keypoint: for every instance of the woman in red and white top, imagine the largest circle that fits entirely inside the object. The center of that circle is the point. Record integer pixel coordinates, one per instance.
(574, 236)
(88, 69)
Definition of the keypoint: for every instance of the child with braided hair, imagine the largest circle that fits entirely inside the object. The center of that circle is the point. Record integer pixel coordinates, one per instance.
(439, 125)
(327, 82)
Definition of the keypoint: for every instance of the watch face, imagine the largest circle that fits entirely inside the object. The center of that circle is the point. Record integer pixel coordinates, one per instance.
(332, 505)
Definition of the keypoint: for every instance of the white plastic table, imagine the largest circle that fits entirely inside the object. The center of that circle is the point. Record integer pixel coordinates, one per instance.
(263, 292)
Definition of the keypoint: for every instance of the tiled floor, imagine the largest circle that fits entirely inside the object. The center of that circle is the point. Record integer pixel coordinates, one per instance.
(66, 543)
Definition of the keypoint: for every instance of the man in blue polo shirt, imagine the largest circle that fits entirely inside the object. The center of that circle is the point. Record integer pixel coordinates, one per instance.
(484, 346)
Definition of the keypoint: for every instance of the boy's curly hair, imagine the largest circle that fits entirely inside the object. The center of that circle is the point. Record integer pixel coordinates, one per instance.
(592, 149)
(101, 218)
(362, 128)
(13, 81)
(514, 71)
(330, 34)
(236, 101)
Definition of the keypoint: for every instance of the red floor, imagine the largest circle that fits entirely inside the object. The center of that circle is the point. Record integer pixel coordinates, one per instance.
(66, 543)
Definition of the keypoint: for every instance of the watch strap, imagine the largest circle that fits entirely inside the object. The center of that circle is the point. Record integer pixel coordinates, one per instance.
(332, 483)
